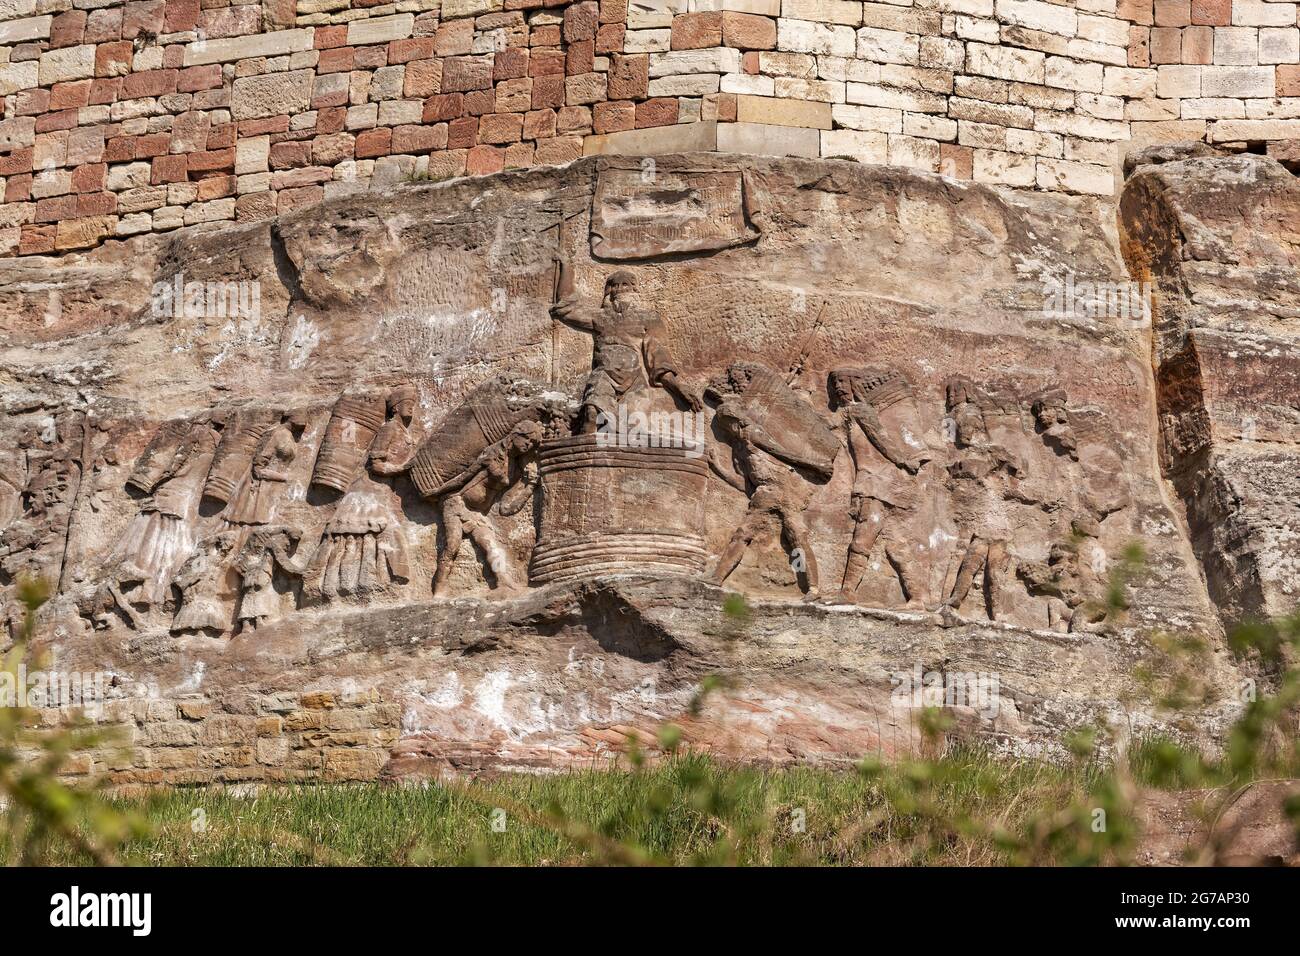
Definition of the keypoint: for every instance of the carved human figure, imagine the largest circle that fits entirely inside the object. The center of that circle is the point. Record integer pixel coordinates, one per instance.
(1071, 580)
(886, 443)
(113, 599)
(35, 542)
(987, 471)
(201, 580)
(779, 448)
(362, 549)
(259, 491)
(630, 351)
(393, 448)
(503, 475)
(160, 537)
(264, 550)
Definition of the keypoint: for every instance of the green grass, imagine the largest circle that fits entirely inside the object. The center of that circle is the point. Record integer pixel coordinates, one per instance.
(686, 810)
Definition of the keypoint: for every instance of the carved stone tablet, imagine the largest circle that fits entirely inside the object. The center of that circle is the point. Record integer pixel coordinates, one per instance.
(640, 213)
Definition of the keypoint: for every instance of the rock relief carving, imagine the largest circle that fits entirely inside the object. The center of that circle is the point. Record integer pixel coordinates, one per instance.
(1026, 482)
(779, 449)
(888, 449)
(636, 215)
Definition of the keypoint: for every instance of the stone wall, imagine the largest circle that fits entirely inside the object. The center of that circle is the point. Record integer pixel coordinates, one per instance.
(129, 117)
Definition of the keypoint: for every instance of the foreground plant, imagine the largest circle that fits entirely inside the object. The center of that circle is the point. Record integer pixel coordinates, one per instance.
(40, 809)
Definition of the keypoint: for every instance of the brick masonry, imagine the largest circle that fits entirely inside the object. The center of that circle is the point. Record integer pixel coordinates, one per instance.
(123, 118)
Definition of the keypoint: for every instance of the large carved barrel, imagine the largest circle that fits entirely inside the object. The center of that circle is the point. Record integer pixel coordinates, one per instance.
(351, 428)
(234, 455)
(608, 510)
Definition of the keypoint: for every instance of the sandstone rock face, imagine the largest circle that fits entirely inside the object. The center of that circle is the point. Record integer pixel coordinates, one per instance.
(1217, 236)
(460, 476)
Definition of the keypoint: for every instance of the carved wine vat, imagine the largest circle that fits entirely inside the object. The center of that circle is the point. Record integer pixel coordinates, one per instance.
(157, 456)
(606, 510)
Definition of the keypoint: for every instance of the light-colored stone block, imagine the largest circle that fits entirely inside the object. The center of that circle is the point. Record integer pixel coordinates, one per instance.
(848, 12)
(380, 29)
(130, 176)
(1243, 81)
(1232, 131)
(270, 94)
(229, 49)
(1236, 46)
(914, 153)
(709, 60)
(746, 83)
(1126, 81)
(31, 28)
(68, 63)
(1003, 168)
(652, 14)
(1279, 45)
(888, 46)
(804, 36)
(1067, 74)
(656, 141)
(1176, 82)
(1005, 63)
(18, 76)
(252, 154)
(647, 41)
(684, 84)
(1036, 15)
(864, 146)
(1064, 176)
(869, 118)
(1261, 13)
(764, 140)
(817, 91)
(930, 127)
(783, 112)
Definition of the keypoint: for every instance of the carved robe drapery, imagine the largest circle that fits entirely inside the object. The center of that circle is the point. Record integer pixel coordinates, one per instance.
(160, 537)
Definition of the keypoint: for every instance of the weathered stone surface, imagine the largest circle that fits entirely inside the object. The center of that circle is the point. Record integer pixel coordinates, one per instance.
(633, 219)
(1216, 236)
(275, 496)
(270, 94)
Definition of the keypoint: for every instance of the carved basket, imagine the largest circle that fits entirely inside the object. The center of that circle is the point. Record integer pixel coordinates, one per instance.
(234, 455)
(348, 434)
(609, 510)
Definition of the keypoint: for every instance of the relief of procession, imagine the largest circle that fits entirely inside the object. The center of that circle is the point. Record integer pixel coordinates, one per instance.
(986, 506)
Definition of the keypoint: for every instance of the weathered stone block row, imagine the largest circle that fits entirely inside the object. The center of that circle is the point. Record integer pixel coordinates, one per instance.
(283, 738)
